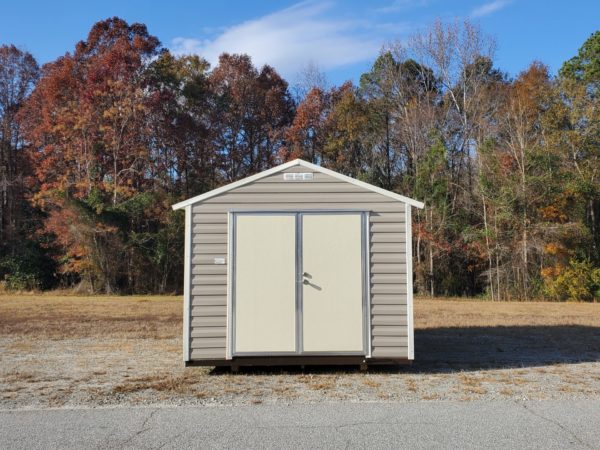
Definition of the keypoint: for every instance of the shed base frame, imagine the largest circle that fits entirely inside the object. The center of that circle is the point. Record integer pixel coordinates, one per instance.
(329, 360)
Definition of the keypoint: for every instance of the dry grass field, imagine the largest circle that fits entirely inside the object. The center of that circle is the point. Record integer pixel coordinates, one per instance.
(70, 351)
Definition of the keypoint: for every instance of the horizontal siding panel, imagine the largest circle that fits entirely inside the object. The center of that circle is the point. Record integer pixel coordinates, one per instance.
(210, 290)
(389, 299)
(299, 197)
(386, 258)
(388, 227)
(308, 187)
(210, 300)
(277, 179)
(388, 278)
(389, 330)
(212, 249)
(390, 341)
(301, 169)
(388, 268)
(208, 259)
(388, 289)
(387, 247)
(397, 320)
(209, 332)
(208, 353)
(390, 352)
(377, 217)
(208, 342)
(209, 280)
(388, 237)
(212, 321)
(208, 311)
(388, 310)
(208, 269)
(381, 206)
(201, 238)
(210, 228)
(212, 218)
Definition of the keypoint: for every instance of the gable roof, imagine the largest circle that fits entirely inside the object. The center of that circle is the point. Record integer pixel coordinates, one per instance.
(302, 163)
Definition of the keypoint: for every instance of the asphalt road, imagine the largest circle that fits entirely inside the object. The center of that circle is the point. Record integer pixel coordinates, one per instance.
(477, 425)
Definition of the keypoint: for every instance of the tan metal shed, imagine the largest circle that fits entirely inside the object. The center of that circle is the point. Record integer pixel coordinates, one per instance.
(297, 265)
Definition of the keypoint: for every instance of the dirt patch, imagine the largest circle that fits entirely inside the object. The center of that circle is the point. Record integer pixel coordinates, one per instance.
(92, 351)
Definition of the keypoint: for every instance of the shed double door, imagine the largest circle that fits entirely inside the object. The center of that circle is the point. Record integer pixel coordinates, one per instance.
(298, 283)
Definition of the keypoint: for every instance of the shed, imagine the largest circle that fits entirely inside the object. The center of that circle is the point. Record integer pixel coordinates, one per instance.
(298, 265)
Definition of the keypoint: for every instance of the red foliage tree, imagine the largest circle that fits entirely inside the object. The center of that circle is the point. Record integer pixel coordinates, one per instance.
(86, 117)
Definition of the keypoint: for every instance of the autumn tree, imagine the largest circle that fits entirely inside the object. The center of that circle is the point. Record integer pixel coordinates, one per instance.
(182, 156)
(572, 133)
(87, 114)
(24, 261)
(251, 109)
(18, 75)
(376, 86)
(86, 122)
(438, 95)
(305, 137)
(347, 147)
(529, 175)
(400, 93)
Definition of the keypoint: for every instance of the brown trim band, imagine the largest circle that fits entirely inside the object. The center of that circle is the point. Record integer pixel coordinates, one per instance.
(295, 361)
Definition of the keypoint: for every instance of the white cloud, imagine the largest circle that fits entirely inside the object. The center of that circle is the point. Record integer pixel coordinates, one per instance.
(489, 8)
(291, 38)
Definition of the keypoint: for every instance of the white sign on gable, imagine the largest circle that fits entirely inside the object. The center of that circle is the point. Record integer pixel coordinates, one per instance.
(304, 176)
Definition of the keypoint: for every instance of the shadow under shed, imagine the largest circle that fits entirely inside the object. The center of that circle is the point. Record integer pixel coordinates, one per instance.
(453, 349)
(473, 348)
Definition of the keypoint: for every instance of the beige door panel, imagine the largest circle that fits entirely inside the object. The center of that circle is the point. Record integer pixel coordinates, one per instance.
(332, 290)
(265, 283)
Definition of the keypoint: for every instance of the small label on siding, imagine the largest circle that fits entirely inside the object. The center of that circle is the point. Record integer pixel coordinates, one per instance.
(219, 260)
(304, 176)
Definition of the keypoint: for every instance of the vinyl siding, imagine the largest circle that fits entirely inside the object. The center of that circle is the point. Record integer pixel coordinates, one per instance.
(208, 308)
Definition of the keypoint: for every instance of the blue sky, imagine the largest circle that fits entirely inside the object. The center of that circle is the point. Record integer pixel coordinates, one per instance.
(341, 37)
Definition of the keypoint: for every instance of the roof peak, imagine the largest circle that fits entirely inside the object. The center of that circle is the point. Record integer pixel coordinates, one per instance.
(296, 162)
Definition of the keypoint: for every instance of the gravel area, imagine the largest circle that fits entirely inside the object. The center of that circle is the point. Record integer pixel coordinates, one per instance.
(142, 366)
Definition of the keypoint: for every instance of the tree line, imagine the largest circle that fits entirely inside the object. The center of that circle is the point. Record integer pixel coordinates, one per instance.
(96, 145)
